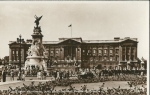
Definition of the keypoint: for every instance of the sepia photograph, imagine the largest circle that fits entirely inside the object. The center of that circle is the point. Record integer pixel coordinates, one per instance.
(74, 48)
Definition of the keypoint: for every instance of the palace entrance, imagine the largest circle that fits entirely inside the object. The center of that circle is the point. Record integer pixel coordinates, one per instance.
(69, 52)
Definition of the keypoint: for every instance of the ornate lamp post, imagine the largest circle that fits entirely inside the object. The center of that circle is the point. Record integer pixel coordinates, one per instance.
(19, 40)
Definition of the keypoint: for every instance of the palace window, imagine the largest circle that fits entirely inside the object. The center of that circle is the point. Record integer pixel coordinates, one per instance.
(94, 51)
(111, 51)
(17, 58)
(89, 51)
(117, 51)
(47, 51)
(132, 57)
(128, 50)
(127, 57)
(105, 58)
(56, 51)
(123, 50)
(99, 51)
(16, 52)
(83, 50)
(105, 51)
(13, 52)
(132, 50)
(13, 57)
(123, 57)
(52, 51)
(111, 58)
(117, 58)
(100, 57)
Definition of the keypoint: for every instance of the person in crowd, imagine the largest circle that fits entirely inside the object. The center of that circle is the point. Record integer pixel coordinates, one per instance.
(44, 75)
(61, 74)
(58, 75)
(12, 75)
(32, 86)
(68, 74)
(19, 77)
(23, 76)
(4, 76)
(39, 75)
(55, 74)
(25, 72)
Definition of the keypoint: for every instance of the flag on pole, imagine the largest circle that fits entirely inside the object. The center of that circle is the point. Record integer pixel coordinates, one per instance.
(70, 25)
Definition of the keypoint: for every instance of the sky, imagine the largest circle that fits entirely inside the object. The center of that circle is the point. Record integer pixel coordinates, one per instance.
(91, 20)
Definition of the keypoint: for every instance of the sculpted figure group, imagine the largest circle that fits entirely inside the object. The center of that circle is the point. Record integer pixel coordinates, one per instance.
(37, 49)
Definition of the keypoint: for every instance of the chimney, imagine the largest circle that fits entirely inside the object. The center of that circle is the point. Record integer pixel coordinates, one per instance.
(116, 38)
(127, 38)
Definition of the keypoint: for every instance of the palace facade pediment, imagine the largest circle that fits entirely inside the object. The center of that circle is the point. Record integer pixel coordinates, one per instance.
(69, 42)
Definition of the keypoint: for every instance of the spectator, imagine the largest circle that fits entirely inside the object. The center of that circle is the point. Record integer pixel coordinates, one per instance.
(19, 75)
(55, 74)
(39, 75)
(58, 77)
(4, 76)
(44, 75)
(23, 76)
(12, 75)
(61, 74)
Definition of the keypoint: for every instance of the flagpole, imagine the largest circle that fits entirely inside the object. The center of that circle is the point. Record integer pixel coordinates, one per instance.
(71, 29)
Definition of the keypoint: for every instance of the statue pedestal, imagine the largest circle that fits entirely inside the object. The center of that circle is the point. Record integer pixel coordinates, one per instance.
(36, 61)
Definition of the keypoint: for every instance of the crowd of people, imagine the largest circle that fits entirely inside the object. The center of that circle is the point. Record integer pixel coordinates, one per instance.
(99, 75)
(62, 78)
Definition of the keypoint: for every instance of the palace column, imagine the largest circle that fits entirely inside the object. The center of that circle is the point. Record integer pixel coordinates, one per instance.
(10, 55)
(125, 53)
(130, 53)
(61, 53)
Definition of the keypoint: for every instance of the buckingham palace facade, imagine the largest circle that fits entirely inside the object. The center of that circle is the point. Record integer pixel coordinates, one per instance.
(116, 53)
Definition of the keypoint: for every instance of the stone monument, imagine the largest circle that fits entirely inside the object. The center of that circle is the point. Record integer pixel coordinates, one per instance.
(37, 54)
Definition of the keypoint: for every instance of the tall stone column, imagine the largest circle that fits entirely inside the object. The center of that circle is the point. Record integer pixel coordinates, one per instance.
(135, 52)
(10, 55)
(120, 53)
(130, 53)
(125, 54)
(62, 53)
(76, 53)
(79, 53)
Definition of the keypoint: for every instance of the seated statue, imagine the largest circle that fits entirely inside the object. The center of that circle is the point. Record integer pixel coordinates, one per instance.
(35, 49)
(29, 52)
